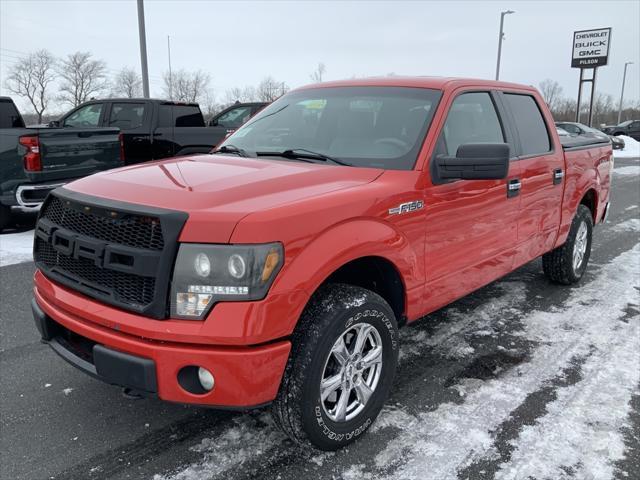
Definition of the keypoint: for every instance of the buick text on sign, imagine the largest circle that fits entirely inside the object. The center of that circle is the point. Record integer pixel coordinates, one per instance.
(591, 48)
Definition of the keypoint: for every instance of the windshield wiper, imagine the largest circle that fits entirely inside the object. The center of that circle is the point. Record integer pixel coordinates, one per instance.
(302, 154)
(232, 149)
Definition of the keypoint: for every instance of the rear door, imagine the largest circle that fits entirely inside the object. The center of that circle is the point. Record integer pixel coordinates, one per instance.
(471, 229)
(133, 120)
(542, 175)
(181, 131)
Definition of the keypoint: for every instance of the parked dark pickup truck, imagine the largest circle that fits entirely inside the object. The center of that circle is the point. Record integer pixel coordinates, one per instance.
(34, 161)
(630, 128)
(154, 129)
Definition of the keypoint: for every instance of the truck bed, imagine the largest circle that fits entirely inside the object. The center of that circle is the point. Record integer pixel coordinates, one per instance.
(572, 143)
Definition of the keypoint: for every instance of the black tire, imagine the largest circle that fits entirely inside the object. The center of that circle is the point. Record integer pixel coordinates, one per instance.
(558, 264)
(5, 217)
(334, 311)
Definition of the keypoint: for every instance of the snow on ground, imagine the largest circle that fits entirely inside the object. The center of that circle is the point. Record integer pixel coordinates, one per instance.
(631, 148)
(631, 170)
(16, 247)
(631, 225)
(581, 428)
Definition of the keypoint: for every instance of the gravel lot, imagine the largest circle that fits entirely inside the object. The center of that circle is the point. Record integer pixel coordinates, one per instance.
(522, 379)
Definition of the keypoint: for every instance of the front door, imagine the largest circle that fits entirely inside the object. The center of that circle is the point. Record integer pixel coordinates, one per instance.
(471, 225)
(228, 121)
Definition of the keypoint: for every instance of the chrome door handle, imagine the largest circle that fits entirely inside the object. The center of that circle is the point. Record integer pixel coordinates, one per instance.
(558, 175)
(513, 187)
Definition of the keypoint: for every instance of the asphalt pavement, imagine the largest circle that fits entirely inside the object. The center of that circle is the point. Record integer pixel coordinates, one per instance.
(58, 423)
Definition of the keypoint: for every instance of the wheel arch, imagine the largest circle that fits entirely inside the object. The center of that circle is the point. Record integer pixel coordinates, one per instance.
(349, 252)
(590, 200)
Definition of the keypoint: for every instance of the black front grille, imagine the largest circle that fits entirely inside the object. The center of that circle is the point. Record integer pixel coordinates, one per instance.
(131, 230)
(118, 253)
(127, 288)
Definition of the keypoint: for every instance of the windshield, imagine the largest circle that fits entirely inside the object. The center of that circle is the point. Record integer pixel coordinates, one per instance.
(379, 127)
(625, 123)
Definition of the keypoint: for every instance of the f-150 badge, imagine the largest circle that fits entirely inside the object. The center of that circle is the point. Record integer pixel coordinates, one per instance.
(406, 207)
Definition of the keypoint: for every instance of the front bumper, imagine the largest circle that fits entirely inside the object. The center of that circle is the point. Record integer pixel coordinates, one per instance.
(32, 195)
(245, 377)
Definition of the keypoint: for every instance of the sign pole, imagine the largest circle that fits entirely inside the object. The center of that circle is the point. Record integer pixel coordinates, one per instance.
(593, 92)
(579, 96)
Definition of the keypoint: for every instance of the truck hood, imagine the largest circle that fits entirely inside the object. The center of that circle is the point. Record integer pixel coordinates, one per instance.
(218, 191)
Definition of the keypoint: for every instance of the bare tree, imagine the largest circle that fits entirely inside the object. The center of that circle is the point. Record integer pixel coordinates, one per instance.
(269, 89)
(602, 108)
(31, 78)
(186, 86)
(551, 92)
(316, 75)
(209, 105)
(127, 83)
(82, 78)
(239, 94)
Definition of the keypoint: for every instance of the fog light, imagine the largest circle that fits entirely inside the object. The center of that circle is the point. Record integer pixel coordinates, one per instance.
(206, 378)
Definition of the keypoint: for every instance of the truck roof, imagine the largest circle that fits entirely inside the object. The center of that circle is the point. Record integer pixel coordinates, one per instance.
(438, 83)
(138, 100)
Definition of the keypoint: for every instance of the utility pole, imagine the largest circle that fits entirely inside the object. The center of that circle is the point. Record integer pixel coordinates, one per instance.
(143, 50)
(500, 38)
(170, 77)
(624, 78)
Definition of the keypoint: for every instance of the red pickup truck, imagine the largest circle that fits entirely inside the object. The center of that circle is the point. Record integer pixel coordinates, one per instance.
(278, 269)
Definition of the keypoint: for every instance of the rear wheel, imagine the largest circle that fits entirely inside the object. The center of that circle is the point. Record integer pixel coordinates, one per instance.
(567, 264)
(341, 367)
(5, 217)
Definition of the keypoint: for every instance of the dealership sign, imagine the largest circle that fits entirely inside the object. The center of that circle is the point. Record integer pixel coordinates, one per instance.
(591, 48)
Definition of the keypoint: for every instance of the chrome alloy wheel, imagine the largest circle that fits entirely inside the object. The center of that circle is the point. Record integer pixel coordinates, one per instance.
(351, 372)
(580, 246)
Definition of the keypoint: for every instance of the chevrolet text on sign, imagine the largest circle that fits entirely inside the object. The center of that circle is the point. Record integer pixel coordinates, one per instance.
(591, 48)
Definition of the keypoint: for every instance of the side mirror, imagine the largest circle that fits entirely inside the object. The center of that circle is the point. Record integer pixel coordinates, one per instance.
(475, 161)
(54, 123)
(213, 122)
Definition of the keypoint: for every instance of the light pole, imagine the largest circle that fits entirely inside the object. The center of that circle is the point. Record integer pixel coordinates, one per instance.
(500, 37)
(624, 77)
(143, 50)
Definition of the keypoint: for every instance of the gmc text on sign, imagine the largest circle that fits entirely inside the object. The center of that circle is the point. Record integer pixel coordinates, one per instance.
(591, 48)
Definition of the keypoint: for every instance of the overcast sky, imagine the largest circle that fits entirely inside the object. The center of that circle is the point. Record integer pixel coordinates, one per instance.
(238, 43)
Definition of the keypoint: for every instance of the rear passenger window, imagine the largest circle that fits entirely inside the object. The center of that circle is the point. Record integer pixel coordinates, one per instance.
(126, 116)
(471, 119)
(170, 115)
(534, 137)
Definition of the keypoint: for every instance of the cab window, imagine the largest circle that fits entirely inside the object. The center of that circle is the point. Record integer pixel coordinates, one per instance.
(471, 119)
(87, 116)
(534, 137)
(126, 116)
(234, 117)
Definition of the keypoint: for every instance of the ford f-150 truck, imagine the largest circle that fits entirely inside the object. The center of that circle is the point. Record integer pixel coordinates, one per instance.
(34, 161)
(278, 269)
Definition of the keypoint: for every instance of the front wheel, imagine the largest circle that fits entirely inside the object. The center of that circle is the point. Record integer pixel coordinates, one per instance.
(567, 264)
(341, 367)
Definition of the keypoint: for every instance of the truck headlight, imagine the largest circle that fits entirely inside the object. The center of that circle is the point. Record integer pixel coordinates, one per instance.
(206, 274)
